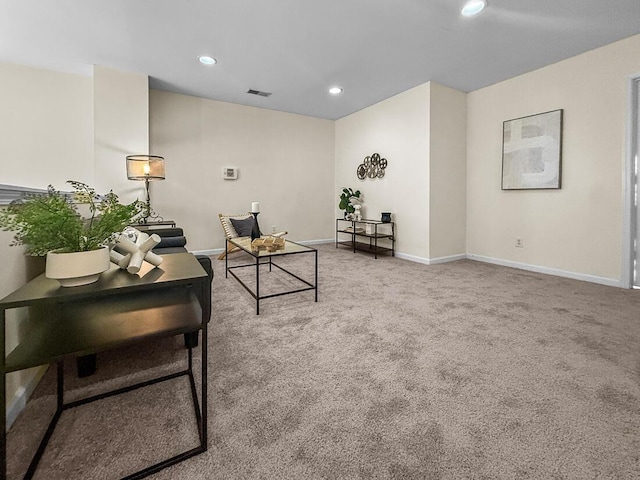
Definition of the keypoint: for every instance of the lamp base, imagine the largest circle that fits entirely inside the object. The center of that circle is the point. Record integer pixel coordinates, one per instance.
(149, 214)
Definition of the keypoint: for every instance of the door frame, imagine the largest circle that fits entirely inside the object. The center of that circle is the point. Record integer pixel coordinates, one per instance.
(631, 182)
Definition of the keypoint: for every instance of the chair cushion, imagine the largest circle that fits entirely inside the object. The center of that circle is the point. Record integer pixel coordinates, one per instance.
(166, 232)
(170, 242)
(169, 250)
(243, 227)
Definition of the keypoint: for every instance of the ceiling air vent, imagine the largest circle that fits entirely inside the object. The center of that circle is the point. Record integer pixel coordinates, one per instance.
(258, 92)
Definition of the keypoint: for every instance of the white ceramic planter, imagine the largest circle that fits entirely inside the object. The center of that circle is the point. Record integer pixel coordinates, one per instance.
(77, 268)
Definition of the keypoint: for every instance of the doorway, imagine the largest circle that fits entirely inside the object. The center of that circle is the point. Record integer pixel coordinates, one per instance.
(631, 252)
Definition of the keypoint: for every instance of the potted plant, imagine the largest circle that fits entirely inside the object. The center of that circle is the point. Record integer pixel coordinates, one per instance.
(76, 246)
(345, 198)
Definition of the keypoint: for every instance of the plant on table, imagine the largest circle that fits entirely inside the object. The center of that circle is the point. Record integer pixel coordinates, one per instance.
(52, 221)
(345, 198)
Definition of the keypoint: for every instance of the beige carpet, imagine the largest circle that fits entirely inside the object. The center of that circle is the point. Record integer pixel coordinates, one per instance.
(400, 371)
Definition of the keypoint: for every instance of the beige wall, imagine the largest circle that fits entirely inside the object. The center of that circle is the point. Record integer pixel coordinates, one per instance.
(422, 134)
(121, 128)
(447, 164)
(46, 127)
(397, 129)
(47, 137)
(579, 227)
(285, 162)
(58, 127)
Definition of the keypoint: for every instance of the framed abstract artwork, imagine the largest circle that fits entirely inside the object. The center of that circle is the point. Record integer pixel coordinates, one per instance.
(532, 152)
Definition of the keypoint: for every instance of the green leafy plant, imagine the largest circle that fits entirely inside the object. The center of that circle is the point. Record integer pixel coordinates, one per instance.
(52, 221)
(346, 194)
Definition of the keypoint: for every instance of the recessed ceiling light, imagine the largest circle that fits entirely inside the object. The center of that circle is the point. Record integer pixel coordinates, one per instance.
(207, 60)
(335, 90)
(473, 7)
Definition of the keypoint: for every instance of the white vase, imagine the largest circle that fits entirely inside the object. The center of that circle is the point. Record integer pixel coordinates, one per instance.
(77, 268)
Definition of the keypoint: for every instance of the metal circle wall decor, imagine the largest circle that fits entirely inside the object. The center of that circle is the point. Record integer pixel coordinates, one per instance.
(372, 166)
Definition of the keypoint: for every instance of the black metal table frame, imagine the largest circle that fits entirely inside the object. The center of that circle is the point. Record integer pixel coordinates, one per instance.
(200, 415)
(200, 411)
(373, 238)
(256, 295)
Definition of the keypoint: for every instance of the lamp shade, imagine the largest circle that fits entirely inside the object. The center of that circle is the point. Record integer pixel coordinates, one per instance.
(145, 167)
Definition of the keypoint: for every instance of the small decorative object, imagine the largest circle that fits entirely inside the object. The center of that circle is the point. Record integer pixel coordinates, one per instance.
(255, 210)
(532, 151)
(356, 203)
(133, 247)
(373, 167)
(270, 244)
(50, 224)
(146, 168)
(345, 201)
(386, 217)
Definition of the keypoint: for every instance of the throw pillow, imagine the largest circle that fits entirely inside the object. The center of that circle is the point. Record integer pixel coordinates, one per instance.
(244, 226)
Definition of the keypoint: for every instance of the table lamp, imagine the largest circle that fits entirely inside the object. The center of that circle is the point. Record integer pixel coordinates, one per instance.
(147, 168)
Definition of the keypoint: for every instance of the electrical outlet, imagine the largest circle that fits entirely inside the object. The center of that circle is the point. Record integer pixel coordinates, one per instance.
(273, 228)
(519, 243)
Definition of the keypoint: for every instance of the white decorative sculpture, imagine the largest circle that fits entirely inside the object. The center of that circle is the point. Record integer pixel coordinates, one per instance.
(357, 215)
(356, 203)
(133, 247)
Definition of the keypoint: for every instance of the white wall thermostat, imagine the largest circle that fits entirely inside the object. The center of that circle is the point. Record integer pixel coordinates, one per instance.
(230, 173)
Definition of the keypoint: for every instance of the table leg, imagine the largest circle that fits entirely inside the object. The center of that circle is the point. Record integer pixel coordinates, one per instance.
(393, 239)
(203, 370)
(60, 392)
(375, 255)
(257, 285)
(226, 259)
(316, 282)
(3, 404)
(52, 425)
(353, 236)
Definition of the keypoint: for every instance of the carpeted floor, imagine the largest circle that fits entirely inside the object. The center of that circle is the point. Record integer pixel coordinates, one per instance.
(400, 371)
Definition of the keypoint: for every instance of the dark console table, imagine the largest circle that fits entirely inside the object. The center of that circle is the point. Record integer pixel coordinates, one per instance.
(119, 309)
(374, 231)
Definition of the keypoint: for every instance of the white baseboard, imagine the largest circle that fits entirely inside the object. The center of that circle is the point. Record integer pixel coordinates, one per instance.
(431, 261)
(412, 258)
(611, 282)
(209, 253)
(450, 258)
(318, 242)
(19, 400)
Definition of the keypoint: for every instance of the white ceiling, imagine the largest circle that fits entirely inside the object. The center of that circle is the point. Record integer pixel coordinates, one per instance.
(297, 49)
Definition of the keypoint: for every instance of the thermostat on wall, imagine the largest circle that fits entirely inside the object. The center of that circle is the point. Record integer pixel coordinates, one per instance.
(230, 173)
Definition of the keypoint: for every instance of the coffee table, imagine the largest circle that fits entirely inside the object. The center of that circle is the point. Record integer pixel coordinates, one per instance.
(265, 258)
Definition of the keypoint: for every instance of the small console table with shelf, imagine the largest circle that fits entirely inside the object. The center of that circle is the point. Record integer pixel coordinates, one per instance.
(119, 309)
(361, 230)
